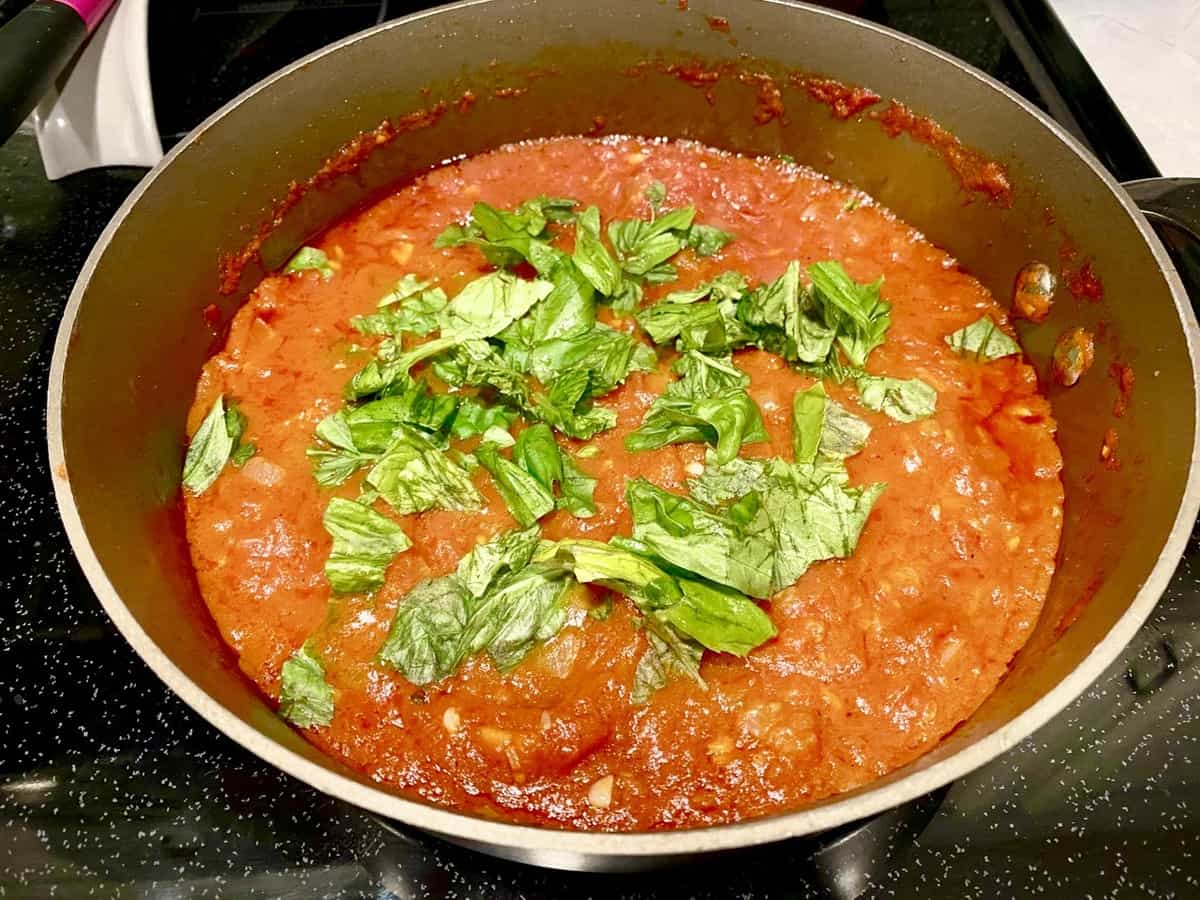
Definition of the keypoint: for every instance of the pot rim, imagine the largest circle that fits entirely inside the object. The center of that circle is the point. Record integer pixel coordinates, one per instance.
(572, 849)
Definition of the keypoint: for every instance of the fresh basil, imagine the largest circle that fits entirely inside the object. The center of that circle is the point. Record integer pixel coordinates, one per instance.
(905, 400)
(216, 442)
(711, 326)
(305, 697)
(539, 454)
(364, 544)
(524, 495)
(732, 547)
(488, 305)
(720, 483)
(668, 654)
(641, 246)
(569, 308)
(475, 418)
(414, 475)
(709, 403)
(592, 257)
(656, 195)
(815, 516)
(567, 406)
(788, 320)
(310, 259)
(607, 355)
(720, 619)
(497, 601)
(505, 238)
(411, 307)
(856, 310)
(821, 425)
(726, 286)
(707, 240)
(983, 340)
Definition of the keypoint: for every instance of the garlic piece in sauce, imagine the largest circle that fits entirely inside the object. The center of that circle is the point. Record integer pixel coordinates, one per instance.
(599, 795)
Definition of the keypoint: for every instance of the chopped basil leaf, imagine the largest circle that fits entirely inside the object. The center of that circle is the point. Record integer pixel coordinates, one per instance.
(569, 308)
(566, 406)
(726, 286)
(711, 327)
(607, 355)
(477, 364)
(410, 307)
(983, 340)
(305, 698)
(709, 404)
(488, 305)
(488, 562)
(523, 494)
(517, 615)
(720, 619)
(592, 257)
(823, 426)
(539, 454)
(364, 544)
(789, 321)
(664, 658)
(656, 195)
(732, 547)
(310, 258)
(413, 476)
(243, 454)
(337, 458)
(814, 516)
(718, 484)
(506, 238)
(861, 317)
(497, 601)
(474, 418)
(707, 240)
(212, 446)
(642, 245)
(905, 400)
(389, 372)
(426, 637)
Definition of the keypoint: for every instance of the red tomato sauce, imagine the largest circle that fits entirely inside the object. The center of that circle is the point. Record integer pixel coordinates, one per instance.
(877, 656)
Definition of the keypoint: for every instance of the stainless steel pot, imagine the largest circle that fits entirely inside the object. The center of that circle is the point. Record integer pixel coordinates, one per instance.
(133, 338)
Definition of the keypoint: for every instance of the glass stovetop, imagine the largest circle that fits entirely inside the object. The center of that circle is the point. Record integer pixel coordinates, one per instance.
(110, 786)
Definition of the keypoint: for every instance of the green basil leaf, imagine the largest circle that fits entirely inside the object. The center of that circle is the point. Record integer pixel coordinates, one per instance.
(709, 542)
(814, 516)
(425, 642)
(905, 400)
(410, 307)
(788, 320)
(373, 425)
(861, 317)
(983, 340)
(523, 494)
(570, 307)
(709, 404)
(706, 240)
(477, 364)
(656, 195)
(210, 447)
(592, 257)
(607, 355)
(642, 245)
(310, 259)
(539, 454)
(566, 407)
(364, 544)
(501, 556)
(507, 238)
(719, 483)
(722, 620)
(667, 655)
(823, 426)
(518, 614)
(616, 568)
(474, 418)
(413, 476)
(488, 305)
(305, 698)
(709, 326)
(726, 286)
(388, 373)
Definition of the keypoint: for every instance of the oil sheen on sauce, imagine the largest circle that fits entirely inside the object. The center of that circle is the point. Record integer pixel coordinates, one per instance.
(877, 657)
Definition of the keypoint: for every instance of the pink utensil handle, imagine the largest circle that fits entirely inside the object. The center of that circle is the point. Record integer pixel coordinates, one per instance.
(91, 11)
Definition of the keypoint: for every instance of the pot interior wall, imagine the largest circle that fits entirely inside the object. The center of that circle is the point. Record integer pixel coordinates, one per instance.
(140, 336)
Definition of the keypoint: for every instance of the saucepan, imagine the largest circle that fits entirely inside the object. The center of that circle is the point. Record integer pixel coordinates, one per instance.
(976, 168)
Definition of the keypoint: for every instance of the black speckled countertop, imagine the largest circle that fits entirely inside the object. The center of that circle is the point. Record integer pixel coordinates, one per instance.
(110, 786)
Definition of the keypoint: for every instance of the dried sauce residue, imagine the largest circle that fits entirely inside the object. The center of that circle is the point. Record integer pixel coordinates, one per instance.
(344, 160)
(718, 23)
(769, 101)
(975, 171)
(845, 101)
(1080, 278)
(681, 5)
(1122, 374)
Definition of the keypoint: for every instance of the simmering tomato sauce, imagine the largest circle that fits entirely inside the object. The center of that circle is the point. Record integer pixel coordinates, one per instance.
(877, 656)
